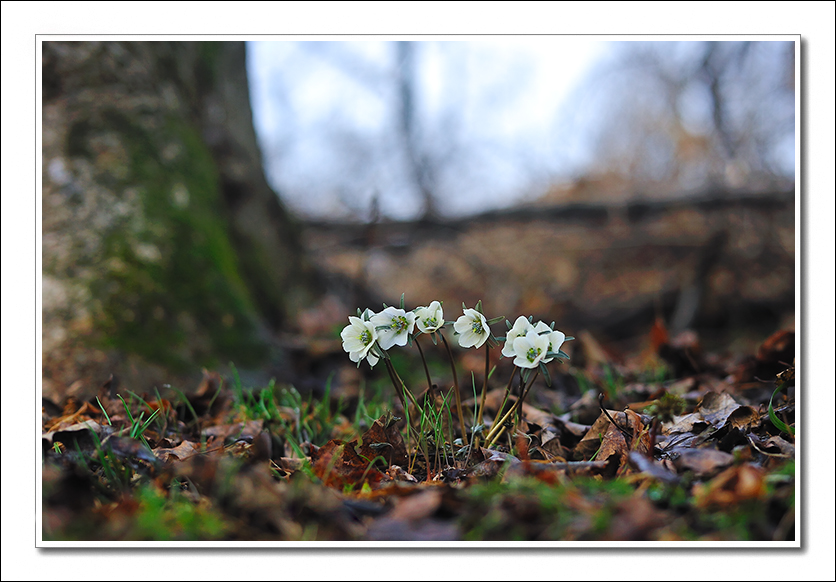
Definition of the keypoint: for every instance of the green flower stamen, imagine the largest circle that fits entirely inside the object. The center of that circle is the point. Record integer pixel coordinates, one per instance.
(533, 353)
(399, 323)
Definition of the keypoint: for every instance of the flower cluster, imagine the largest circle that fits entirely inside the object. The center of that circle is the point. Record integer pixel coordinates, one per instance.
(531, 344)
(369, 335)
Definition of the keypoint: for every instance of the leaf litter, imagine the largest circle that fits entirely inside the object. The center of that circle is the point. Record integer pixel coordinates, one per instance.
(608, 453)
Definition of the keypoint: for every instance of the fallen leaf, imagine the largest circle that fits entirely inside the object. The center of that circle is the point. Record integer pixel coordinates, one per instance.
(383, 441)
(339, 466)
(610, 439)
(744, 417)
(128, 447)
(703, 462)
(614, 443)
(716, 407)
(684, 424)
(79, 426)
(732, 486)
(181, 452)
(655, 469)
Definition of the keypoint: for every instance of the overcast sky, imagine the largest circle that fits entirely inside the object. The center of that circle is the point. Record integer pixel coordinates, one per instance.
(350, 129)
(324, 115)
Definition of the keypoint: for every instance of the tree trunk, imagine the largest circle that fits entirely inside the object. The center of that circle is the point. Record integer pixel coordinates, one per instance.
(164, 249)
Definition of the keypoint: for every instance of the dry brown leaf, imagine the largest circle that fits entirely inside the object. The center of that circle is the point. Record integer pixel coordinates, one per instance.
(181, 452)
(74, 427)
(732, 486)
(338, 465)
(744, 417)
(703, 462)
(716, 408)
(655, 469)
(383, 441)
(613, 443)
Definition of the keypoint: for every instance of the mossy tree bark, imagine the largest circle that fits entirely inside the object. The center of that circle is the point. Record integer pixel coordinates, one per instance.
(164, 249)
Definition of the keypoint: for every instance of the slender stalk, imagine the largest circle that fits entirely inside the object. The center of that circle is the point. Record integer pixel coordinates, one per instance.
(498, 427)
(449, 426)
(520, 402)
(458, 395)
(426, 370)
(505, 399)
(484, 392)
(495, 423)
(392, 374)
(495, 431)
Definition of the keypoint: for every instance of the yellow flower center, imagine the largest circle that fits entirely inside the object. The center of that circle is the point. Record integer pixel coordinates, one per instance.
(399, 323)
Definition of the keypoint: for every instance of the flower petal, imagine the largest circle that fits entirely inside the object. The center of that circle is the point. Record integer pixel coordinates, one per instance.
(520, 328)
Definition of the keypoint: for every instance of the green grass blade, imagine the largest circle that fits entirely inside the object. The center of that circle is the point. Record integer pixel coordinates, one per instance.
(104, 411)
(127, 410)
(779, 424)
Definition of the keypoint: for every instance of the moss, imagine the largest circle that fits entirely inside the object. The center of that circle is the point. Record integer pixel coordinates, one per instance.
(171, 289)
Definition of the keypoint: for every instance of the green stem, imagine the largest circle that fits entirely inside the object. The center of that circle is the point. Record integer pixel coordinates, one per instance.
(392, 374)
(516, 407)
(426, 370)
(484, 392)
(498, 415)
(458, 395)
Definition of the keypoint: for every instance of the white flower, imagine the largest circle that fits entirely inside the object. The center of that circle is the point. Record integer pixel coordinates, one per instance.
(556, 338)
(429, 319)
(530, 349)
(358, 338)
(393, 326)
(472, 328)
(521, 327)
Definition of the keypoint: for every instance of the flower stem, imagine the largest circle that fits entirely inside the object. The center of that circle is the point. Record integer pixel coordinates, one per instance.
(392, 375)
(520, 402)
(426, 370)
(484, 392)
(456, 390)
(516, 407)
(502, 406)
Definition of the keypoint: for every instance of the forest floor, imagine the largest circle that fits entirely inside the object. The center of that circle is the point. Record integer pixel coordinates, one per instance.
(668, 444)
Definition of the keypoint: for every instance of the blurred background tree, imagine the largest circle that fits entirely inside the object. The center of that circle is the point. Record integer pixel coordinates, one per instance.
(164, 249)
(678, 118)
(447, 128)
